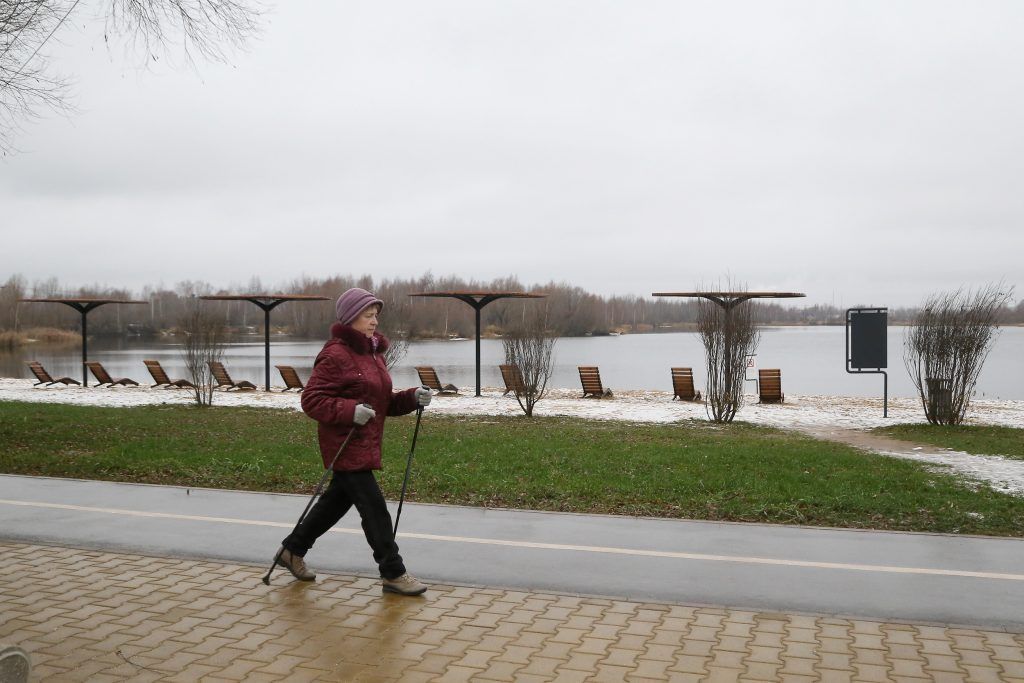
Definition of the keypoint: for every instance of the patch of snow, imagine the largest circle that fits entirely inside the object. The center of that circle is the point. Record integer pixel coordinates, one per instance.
(633, 406)
(1002, 474)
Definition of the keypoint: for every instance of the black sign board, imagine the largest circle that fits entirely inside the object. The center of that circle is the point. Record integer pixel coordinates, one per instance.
(868, 339)
(866, 351)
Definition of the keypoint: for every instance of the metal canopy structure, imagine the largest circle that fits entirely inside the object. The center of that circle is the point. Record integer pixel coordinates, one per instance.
(267, 302)
(478, 300)
(83, 306)
(729, 300)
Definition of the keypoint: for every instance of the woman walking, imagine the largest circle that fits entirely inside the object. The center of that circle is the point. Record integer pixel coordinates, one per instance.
(350, 388)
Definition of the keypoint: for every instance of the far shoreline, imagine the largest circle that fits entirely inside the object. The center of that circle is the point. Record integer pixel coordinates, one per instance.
(59, 338)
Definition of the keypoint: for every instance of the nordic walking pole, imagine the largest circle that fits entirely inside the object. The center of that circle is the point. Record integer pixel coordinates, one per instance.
(408, 466)
(327, 472)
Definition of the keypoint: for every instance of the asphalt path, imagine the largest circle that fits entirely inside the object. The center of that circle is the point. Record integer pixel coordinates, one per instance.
(935, 578)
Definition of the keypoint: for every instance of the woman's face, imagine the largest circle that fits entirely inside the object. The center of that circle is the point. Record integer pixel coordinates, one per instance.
(366, 322)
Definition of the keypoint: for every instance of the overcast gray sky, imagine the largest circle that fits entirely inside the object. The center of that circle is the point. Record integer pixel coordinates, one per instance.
(861, 152)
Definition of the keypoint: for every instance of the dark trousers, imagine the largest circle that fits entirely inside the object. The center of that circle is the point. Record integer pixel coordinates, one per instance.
(345, 490)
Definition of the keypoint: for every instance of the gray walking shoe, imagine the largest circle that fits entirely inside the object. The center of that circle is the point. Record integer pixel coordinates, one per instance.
(296, 565)
(406, 584)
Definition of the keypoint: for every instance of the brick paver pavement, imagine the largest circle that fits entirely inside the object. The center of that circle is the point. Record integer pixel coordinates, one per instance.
(96, 616)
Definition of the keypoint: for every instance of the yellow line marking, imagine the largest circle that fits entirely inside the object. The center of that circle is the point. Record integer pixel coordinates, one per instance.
(549, 546)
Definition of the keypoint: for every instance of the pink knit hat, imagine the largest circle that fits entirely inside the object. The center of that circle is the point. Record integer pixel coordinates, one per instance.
(353, 302)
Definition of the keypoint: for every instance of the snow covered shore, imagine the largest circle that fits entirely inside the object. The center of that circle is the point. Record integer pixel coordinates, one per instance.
(634, 406)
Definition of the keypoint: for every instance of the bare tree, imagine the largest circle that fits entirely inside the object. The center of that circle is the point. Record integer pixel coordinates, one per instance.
(529, 348)
(207, 28)
(395, 353)
(946, 345)
(396, 320)
(729, 334)
(10, 292)
(26, 88)
(204, 342)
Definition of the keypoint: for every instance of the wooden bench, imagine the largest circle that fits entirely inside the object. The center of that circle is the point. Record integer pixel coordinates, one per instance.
(44, 377)
(428, 378)
(769, 385)
(590, 377)
(513, 378)
(162, 380)
(682, 385)
(290, 377)
(223, 379)
(103, 377)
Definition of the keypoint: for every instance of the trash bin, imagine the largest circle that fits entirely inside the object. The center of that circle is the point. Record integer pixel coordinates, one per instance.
(940, 400)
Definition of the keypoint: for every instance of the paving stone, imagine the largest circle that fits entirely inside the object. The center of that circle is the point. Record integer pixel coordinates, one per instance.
(101, 616)
(1013, 669)
(541, 666)
(983, 674)
(1007, 653)
(803, 635)
(648, 668)
(720, 675)
(733, 643)
(976, 658)
(762, 671)
(908, 668)
(500, 671)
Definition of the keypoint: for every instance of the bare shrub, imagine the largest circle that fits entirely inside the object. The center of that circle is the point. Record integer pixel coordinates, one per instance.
(529, 346)
(12, 340)
(204, 342)
(396, 314)
(53, 335)
(396, 352)
(945, 347)
(729, 335)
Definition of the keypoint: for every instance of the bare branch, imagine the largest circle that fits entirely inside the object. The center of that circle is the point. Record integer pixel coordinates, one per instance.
(210, 29)
(26, 89)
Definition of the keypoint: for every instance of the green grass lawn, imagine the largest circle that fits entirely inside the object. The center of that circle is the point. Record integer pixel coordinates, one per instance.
(982, 440)
(693, 470)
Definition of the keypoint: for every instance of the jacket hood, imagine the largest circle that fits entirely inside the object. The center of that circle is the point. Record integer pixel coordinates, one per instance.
(357, 341)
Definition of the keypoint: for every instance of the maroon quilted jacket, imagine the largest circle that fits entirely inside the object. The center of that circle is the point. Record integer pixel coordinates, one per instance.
(347, 372)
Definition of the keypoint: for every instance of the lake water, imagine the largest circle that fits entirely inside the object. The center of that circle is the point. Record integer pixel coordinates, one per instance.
(811, 359)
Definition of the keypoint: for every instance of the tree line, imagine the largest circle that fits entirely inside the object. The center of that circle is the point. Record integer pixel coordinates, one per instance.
(570, 310)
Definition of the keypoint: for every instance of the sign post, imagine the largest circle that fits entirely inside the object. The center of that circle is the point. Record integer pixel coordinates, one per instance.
(750, 372)
(866, 345)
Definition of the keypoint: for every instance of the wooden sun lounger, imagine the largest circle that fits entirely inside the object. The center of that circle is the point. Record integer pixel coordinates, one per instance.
(44, 377)
(103, 377)
(428, 378)
(161, 378)
(223, 379)
(290, 377)
(513, 378)
(682, 385)
(590, 377)
(769, 384)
